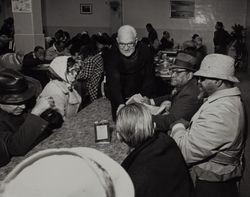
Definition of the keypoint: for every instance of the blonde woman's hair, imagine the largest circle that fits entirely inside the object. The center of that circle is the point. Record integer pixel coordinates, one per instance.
(134, 124)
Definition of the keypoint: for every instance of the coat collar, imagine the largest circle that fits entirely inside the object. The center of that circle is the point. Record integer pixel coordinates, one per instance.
(235, 91)
(136, 151)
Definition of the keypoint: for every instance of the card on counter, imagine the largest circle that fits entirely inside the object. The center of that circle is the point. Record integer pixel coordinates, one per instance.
(102, 132)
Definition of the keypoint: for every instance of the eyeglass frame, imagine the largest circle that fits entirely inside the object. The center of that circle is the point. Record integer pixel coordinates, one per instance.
(177, 71)
(129, 45)
(201, 78)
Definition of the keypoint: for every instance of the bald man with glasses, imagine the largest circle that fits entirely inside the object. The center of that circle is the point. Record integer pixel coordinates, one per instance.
(129, 68)
(183, 102)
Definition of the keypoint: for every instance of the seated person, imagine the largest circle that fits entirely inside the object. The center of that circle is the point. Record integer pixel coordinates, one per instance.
(91, 69)
(78, 41)
(213, 145)
(65, 172)
(201, 50)
(184, 97)
(63, 73)
(8, 27)
(6, 36)
(194, 37)
(5, 44)
(58, 49)
(102, 41)
(166, 42)
(35, 58)
(31, 61)
(156, 165)
(20, 131)
(62, 35)
(189, 47)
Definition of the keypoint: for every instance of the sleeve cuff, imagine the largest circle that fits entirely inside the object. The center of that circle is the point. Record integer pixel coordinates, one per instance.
(178, 126)
(152, 102)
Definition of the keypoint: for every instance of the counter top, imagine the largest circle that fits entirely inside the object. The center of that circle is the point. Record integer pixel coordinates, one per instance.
(79, 131)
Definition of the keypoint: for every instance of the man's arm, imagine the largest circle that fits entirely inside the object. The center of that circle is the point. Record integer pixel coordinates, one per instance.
(22, 141)
(184, 107)
(214, 130)
(160, 99)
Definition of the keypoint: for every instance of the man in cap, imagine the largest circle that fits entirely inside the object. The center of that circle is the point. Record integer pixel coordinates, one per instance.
(129, 68)
(214, 141)
(18, 132)
(184, 97)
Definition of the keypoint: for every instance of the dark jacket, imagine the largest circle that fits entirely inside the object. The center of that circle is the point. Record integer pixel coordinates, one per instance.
(166, 43)
(221, 40)
(18, 134)
(29, 61)
(30, 64)
(157, 168)
(127, 76)
(184, 105)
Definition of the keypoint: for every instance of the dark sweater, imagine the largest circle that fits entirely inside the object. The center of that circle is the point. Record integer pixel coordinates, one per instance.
(127, 76)
(29, 61)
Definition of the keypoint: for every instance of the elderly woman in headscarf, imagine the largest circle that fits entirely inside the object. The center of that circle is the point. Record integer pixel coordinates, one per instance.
(63, 73)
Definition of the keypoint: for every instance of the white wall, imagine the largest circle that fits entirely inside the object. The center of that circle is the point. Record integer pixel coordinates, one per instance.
(140, 12)
(65, 14)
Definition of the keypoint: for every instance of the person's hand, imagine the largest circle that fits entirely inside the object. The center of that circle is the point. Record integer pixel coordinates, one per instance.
(119, 108)
(166, 104)
(42, 104)
(146, 100)
(180, 121)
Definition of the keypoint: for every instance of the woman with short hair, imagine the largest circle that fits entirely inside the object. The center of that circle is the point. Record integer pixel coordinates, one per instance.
(156, 165)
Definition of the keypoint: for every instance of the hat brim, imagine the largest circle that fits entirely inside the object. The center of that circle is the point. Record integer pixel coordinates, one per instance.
(22, 98)
(183, 67)
(227, 78)
(121, 181)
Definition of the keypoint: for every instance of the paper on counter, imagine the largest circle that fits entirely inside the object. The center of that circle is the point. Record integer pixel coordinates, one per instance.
(155, 110)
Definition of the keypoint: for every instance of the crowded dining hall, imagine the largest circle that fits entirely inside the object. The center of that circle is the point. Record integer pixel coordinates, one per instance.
(122, 98)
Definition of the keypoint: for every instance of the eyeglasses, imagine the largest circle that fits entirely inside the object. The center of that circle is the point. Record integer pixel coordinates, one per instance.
(174, 71)
(201, 79)
(73, 70)
(128, 45)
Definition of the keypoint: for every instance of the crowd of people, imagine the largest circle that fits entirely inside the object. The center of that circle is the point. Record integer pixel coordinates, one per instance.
(194, 148)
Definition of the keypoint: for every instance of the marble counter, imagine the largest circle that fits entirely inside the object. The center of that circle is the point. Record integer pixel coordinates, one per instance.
(79, 131)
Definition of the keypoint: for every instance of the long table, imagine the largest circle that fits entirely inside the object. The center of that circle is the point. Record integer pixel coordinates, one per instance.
(79, 131)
